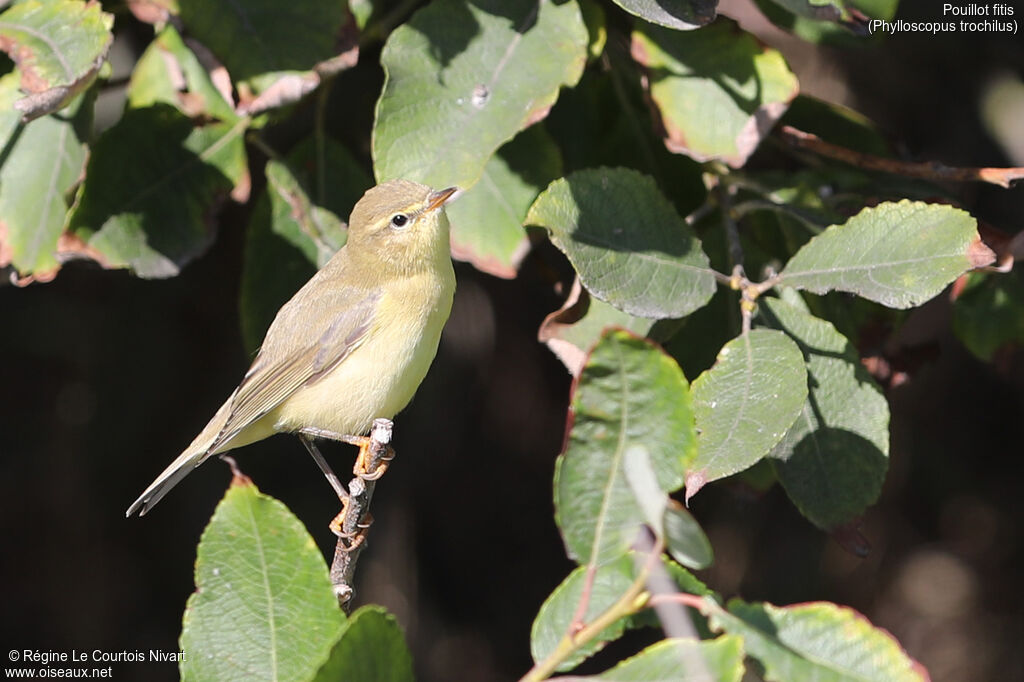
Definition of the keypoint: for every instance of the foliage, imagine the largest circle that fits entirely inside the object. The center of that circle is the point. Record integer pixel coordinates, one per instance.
(679, 224)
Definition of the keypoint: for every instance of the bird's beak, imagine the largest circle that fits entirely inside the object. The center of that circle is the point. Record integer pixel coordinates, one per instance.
(437, 199)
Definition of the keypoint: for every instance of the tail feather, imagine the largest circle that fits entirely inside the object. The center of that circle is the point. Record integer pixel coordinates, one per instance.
(194, 455)
(170, 477)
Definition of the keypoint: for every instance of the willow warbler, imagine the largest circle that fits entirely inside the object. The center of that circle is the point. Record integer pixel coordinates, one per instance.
(351, 345)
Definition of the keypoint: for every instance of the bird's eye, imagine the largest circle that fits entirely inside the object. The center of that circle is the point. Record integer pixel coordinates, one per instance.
(399, 220)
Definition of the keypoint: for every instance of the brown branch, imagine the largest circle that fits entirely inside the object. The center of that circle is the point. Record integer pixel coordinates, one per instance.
(929, 170)
(355, 518)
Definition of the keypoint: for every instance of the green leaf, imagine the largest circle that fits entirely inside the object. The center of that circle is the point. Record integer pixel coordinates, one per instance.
(59, 47)
(706, 114)
(629, 394)
(745, 404)
(295, 227)
(682, 660)
(263, 608)
(829, 22)
(685, 539)
(817, 641)
(836, 124)
(626, 241)
(556, 614)
(257, 39)
(43, 161)
(897, 254)
(487, 221)
(371, 647)
(832, 461)
(169, 72)
(988, 316)
(463, 78)
(822, 10)
(681, 15)
(573, 329)
(609, 583)
(152, 185)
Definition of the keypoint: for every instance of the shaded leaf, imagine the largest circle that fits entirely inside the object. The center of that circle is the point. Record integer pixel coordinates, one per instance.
(822, 10)
(682, 660)
(574, 328)
(829, 22)
(832, 461)
(609, 583)
(296, 227)
(817, 641)
(705, 115)
(257, 40)
(626, 241)
(596, 22)
(59, 47)
(836, 124)
(263, 608)
(745, 404)
(630, 393)
(371, 647)
(487, 221)
(169, 72)
(685, 539)
(988, 316)
(43, 161)
(152, 185)
(897, 254)
(463, 78)
(682, 15)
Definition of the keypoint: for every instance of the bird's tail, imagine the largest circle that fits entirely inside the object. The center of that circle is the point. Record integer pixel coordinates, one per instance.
(194, 455)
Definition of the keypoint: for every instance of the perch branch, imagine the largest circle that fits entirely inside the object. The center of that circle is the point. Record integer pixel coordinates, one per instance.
(353, 524)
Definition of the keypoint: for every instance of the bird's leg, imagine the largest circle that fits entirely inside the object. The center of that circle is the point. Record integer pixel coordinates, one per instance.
(332, 477)
(332, 435)
(362, 442)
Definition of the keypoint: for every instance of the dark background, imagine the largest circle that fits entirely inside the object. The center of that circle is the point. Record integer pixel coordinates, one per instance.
(104, 378)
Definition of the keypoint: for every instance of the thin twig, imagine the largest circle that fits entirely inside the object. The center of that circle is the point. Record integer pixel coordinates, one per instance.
(929, 170)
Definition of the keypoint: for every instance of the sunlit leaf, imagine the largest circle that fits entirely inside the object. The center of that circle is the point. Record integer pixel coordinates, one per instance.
(630, 394)
(263, 608)
(704, 113)
(168, 71)
(682, 660)
(897, 254)
(42, 161)
(817, 641)
(607, 586)
(461, 79)
(487, 221)
(59, 47)
(745, 404)
(371, 647)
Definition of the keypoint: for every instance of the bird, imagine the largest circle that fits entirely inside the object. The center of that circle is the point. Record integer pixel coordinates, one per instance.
(353, 344)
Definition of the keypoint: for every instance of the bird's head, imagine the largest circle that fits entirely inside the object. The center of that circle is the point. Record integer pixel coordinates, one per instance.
(402, 223)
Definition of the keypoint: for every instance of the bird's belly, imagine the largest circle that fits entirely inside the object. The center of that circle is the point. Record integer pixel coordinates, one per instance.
(377, 379)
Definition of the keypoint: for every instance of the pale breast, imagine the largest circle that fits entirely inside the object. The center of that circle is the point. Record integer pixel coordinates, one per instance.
(381, 375)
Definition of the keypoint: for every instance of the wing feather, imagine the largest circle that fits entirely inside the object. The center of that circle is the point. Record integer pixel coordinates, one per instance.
(283, 366)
